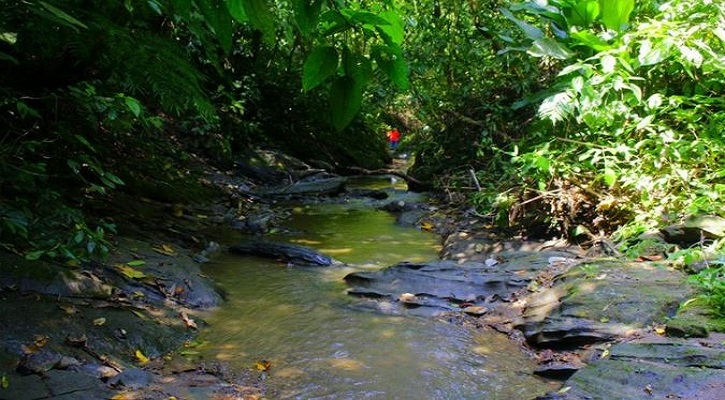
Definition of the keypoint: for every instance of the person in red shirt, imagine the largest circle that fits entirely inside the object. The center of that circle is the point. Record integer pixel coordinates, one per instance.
(393, 138)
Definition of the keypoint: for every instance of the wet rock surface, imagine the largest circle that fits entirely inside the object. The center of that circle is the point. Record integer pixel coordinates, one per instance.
(607, 328)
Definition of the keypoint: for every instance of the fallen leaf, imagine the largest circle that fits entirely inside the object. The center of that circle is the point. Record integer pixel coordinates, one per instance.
(136, 263)
(263, 365)
(165, 249)
(426, 226)
(141, 358)
(4, 382)
(130, 272)
(188, 321)
(660, 330)
(99, 321)
(70, 310)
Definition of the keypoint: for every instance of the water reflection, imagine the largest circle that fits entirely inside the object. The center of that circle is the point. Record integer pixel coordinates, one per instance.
(323, 347)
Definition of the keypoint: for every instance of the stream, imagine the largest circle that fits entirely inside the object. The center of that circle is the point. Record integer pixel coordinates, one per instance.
(325, 344)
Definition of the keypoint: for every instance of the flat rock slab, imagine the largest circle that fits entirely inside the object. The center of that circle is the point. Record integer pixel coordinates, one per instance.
(602, 300)
(686, 369)
(289, 252)
(321, 187)
(449, 284)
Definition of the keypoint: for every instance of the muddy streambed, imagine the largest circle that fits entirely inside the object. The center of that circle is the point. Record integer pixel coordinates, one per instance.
(323, 343)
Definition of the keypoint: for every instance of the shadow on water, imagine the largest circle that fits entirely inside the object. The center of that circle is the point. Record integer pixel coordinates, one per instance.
(321, 346)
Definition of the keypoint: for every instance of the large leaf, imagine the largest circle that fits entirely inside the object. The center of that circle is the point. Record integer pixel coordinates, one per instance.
(584, 13)
(549, 47)
(236, 10)
(393, 32)
(345, 101)
(320, 64)
(366, 17)
(589, 39)
(62, 15)
(307, 13)
(333, 22)
(260, 16)
(530, 31)
(390, 61)
(219, 20)
(615, 13)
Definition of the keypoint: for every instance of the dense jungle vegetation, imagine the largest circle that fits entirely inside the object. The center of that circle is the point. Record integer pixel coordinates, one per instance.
(576, 118)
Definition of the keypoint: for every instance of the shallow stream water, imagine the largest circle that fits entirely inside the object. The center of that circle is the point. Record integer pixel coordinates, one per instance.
(323, 345)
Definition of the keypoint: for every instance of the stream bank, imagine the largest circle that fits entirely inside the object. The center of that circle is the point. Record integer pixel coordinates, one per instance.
(121, 328)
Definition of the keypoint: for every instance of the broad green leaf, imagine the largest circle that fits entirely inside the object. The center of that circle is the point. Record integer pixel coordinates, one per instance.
(320, 64)
(62, 15)
(133, 105)
(358, 67)
(236, 10)
(549, 47)
(390, 61)
(9, 37)
(615, 13)
(307, 13)
(34, 255)
(155, 6)
(260, 16)
(589, 39)
(345, 101)
(393, 32)
(332, 23)
(530, 31)
(584, 13)
(650, 54)
(366, 17)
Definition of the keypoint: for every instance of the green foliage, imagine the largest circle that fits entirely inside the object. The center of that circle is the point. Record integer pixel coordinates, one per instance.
(463, 83)
(629, 123)
(711, 282)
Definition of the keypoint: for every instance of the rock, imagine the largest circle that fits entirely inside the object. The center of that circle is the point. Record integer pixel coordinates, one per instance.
(131, 378)
(651, 370)
(445, 284)
(322, 187)
(601, 300)
(557, 370)
(292, 253)
(694, 230)
(476, 311)
(38, 362)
